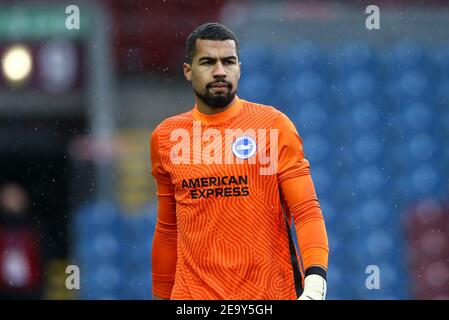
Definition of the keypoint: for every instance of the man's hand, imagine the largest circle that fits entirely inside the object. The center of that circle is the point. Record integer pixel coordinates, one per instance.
(315, 288)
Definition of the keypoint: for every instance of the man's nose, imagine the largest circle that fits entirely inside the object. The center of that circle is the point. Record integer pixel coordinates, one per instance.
(219, 70)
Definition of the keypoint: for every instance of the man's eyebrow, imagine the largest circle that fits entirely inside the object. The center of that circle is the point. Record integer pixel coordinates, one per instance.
(215, 59)
(207, 58)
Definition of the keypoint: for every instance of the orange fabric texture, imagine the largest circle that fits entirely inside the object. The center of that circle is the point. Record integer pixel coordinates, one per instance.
(221, 231)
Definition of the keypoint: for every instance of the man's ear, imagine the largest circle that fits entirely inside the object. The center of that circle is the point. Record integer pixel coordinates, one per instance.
(187, 71)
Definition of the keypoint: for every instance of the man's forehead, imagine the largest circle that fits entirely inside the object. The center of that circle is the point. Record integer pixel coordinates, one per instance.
(215, 48)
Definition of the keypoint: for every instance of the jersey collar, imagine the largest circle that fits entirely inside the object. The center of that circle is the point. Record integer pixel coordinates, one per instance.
(227, 114)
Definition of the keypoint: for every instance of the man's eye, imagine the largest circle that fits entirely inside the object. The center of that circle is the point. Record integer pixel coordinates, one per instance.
(206, 63)
(229, 62)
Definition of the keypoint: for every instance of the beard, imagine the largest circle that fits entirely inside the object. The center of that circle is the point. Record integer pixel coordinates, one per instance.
(216, 101)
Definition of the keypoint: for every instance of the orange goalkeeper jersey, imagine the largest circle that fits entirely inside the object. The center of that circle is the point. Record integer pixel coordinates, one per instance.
(227, 183)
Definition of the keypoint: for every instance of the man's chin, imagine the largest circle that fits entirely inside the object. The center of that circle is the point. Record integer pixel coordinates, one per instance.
(219, 103)
(217, 100)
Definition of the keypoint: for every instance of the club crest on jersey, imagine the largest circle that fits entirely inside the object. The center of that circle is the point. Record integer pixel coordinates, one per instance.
(244, 147)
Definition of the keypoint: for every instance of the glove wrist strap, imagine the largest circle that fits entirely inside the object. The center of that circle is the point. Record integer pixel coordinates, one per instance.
(316, 270)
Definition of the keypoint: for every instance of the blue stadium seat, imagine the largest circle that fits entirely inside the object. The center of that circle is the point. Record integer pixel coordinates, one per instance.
(137, 256)
(368, 148)
(355, 56)
(316, 148)
(406, 56)
(256, 87)
(413, 85)
(101, 214)
(418, 116)
(101, 282)
(380, 245)
(138, 227)
(115, 247)
(328, 209)
(443, 124)
(96, 217)
(335, 245)
(370, 180)
(300, 58)
(96, 227)
(366, 252)
(442, 94)
(400, 188)
(346, 179)
(137, 285)
(309, 86)
(335, 282)
(365, 116)
(256, 58)
(412, 152)
(394, 129)
(424, 181)
(322, 179)
(311, 118)
(397, 152)
(422, 147)
(441, 59)
(361, 118)
(375, 213)
(345, 159)
(103, 248)
(345, 225)
(359, 86)
(421, 182)
(407, 88)
(409, 54)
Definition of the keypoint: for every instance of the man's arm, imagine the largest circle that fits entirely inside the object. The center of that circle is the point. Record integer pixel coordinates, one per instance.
(164, 252)
(300, 198)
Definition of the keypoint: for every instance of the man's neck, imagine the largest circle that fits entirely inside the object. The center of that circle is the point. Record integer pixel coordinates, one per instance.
(205, 109)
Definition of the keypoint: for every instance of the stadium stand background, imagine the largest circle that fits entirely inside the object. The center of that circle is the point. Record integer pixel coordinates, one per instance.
(371, 107)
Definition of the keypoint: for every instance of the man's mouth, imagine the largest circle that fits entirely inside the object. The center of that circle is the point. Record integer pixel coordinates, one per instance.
(219, 85)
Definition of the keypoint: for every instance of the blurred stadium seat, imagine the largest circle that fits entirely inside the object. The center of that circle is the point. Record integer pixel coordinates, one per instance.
(113, 251)
(255, 57)
(301, 58)
(353, 57)
(311, 118)
(368, 119)
(308, 86)
(258, 87)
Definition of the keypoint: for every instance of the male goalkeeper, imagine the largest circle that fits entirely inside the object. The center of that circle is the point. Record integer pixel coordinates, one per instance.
(230, 175)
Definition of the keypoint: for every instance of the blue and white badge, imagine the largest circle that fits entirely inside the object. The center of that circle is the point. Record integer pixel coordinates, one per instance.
(244, 147)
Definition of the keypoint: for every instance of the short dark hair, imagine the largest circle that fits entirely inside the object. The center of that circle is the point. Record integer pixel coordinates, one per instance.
(209, 31)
